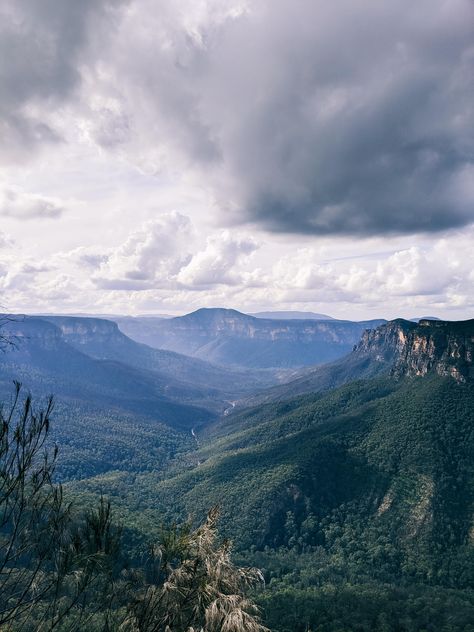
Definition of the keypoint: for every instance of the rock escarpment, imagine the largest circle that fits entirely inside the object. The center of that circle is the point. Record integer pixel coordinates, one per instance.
(443, 347)
(89, 334)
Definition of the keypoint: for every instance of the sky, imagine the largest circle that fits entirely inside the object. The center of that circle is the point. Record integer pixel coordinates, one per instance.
(157, 156)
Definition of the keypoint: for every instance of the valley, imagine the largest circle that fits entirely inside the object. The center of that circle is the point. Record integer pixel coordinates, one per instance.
(353, 477)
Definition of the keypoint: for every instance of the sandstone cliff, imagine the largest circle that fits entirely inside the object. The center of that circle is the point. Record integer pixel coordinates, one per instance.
(444, 347)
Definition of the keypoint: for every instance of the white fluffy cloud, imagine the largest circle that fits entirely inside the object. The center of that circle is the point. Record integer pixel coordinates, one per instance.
(18, 204)
(165, 253)
(151, 257)
(219, 263)
(5, 241)
(165, 266)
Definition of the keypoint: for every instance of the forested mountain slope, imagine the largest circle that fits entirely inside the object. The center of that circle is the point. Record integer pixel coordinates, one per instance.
(373, 449)
(103, 340)
(347, 496)
(92, 349)
(120, 405)
(45, 361)
(362, 487)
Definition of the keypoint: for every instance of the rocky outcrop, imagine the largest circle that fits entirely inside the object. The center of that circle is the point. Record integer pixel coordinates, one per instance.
(84, 332)
(443, 347)
(385, 343)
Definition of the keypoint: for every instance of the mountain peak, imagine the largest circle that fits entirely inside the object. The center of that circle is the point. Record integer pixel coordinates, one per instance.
(212, 313)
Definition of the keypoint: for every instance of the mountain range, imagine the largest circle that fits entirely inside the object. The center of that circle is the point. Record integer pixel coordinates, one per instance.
(228, 337)
(292, 315)
(353, 477)
(119, 404)
(358, 475)
(84, 355)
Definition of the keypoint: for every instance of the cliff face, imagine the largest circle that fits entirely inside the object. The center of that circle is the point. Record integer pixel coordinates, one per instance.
(385, 343)
(446, 348)
(36, 332)
(85, 332)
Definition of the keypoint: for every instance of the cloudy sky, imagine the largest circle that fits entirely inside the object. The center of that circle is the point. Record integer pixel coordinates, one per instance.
(157, 156)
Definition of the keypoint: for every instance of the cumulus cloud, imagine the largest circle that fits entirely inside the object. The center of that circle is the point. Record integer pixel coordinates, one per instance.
(165, 254)
(5, 241)
(21, 205)
(150, 257)
(437, 274)
(433, 277)
(219, 262)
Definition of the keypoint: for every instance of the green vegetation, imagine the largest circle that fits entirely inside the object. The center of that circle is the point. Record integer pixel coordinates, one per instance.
(357, 500)
(60, 570)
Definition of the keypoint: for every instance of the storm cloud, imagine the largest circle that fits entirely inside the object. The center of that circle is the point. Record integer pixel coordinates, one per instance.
(43, 48)
(309, 117)
(342, 118)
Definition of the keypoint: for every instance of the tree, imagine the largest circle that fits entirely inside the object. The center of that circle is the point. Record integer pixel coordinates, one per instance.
(7, 340)
(32, 512)
(49, 562)
(63, 570)
(192, 585)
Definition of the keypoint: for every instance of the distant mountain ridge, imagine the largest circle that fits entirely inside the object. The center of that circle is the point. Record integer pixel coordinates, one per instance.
(291, 315)
(399, 347)
(228, 337)
(79, 357)
(102, 339)
(46, 363)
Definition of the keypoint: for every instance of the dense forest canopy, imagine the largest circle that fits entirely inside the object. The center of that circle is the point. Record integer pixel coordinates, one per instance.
(350, 488)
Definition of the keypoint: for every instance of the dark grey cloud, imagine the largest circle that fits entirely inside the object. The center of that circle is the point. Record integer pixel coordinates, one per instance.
(354, 117)
(41, 43)
(350, 117)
